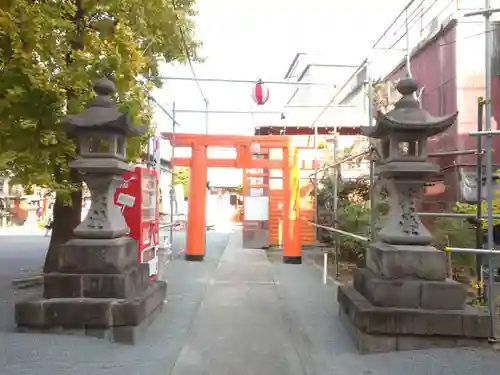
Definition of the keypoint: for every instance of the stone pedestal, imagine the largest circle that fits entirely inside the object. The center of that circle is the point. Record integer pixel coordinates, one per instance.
(403, 301)
(99, 290)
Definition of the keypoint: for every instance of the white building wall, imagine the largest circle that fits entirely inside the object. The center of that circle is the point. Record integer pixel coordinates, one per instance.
(319, 96)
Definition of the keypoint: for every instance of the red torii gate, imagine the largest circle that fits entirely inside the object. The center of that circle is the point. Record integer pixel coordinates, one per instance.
(198, 164)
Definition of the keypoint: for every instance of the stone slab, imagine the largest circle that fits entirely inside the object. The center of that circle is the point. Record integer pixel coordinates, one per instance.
(446, 295)
(367, 343)
(128, 335)
(406, 261)
(409, 293)
(466, 323)
(132, 311)
(89, 313)
(240, 327)
(384, 292)
(67, 285)
(98, 256)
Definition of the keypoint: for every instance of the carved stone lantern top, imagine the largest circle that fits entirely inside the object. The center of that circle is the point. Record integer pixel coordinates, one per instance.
(404, 132)
(101, 131)
(408, 117)
(101, 114)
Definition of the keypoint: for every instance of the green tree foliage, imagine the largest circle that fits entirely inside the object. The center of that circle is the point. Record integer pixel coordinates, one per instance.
(182, 178)
(455, 232)
(466, 208)
(50, 51)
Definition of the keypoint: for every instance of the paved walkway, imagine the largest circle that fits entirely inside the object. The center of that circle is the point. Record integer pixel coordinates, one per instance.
(274, 319)
(237, 314)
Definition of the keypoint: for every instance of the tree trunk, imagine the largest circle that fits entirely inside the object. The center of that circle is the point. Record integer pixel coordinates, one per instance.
(66, 218)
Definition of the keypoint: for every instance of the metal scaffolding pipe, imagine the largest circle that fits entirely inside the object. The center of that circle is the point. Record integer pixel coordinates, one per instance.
(337, 93)
(489, 160)
(485, 133)
(457, 152)
(224, 80)
(452, 214)
(236, 111)
(229, 112)
(369, 111)
(172, 179)
(348, 158)
(482, 12)
(392, 23)
(174, 121)
(488, 132)
(470, 250)
(349, 234)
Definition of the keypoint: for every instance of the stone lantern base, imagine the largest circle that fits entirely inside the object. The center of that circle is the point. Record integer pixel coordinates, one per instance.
(99, 290)
(403, 301)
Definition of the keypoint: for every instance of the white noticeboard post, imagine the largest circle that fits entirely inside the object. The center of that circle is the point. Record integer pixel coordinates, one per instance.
(256, 208)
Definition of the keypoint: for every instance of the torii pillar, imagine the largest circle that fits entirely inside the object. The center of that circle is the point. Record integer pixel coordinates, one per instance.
(195, 243)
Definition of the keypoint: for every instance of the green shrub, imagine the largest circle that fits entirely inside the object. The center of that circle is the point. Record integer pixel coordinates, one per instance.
(353, 215)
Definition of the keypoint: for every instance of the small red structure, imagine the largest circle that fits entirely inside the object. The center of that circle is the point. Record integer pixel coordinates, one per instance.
(260, 93)
(138, 197)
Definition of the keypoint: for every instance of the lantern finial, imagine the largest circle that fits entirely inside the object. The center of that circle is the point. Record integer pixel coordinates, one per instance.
(407, 86)
(104, 87)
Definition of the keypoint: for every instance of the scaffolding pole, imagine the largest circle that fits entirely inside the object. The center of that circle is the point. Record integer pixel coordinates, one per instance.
(486, 13)
(237, 111)
(207, 112)
(248, 81)
(229, 112)
(348, 234)
(452, 214)
(337, 93)
(174, 121)
(348, 158)
(336, 176)
(316, 211)
(405, 9)
(479, 188)
(408, 48)
(457, 152)
(372, 162)
(470, 250)
(172, 180)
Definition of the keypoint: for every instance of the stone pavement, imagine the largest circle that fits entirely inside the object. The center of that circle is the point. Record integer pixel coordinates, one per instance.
(236, 313)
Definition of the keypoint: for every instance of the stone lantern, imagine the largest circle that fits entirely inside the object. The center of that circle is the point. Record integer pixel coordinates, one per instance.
(402, 135)
(402, 299)
(99, 288)
(101, 133)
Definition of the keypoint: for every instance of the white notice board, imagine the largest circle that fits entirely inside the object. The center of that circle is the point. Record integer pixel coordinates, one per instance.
(256, 208)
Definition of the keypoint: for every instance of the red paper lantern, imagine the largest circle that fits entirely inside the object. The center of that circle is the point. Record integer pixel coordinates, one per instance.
(260, 93)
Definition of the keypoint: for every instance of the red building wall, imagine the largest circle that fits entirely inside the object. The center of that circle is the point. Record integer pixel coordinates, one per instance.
(434, 69)
(451, 86)
(448, 89)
